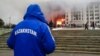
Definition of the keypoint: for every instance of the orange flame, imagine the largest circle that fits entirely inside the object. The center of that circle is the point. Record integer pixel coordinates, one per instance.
(59, 22)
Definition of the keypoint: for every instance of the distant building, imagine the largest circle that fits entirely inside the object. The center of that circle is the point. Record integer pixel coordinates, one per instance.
(68, 18)
(76, 17)
(93, 13)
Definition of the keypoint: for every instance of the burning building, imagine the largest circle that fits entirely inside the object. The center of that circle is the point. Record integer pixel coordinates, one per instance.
(59, 21)
(55, 13)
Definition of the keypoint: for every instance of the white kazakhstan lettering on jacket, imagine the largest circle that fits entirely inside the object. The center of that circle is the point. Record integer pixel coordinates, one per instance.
(29, 31)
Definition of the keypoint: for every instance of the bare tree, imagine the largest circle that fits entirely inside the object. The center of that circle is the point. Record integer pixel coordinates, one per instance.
(1, 23)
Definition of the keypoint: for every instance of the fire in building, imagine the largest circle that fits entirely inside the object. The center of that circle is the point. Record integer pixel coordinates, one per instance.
(77, 17)
(59, 21)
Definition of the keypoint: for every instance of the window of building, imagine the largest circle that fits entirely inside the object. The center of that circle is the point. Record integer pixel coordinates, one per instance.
(91, 18)
(91, 7)
(91, 14)
(91, 11)
(91, 22)
(97, 10)
(96, 6)
(97, 14)
(87, 18)
(82, 18)
(87, 10)
(96, 17)
(97, 21)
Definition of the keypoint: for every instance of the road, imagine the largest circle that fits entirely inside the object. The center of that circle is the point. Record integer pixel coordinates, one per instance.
(10, 53)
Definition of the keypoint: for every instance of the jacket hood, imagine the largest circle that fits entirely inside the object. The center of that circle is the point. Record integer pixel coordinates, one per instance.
(34, 12)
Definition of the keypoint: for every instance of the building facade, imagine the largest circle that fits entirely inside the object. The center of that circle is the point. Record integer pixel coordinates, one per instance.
(77, 18)
(93, 13)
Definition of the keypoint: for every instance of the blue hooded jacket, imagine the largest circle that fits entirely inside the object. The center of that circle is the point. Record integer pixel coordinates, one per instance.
(32, 36)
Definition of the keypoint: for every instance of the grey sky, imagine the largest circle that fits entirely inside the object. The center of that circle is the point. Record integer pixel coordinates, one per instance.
(15, 9)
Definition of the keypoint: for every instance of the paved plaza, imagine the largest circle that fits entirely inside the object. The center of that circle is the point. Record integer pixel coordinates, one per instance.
(61, 28)
(10, 53)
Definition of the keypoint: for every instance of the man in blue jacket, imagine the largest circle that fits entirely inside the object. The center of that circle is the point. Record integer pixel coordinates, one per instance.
(32, 36)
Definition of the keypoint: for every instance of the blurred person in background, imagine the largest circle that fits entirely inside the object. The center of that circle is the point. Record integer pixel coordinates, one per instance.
(93, 25)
